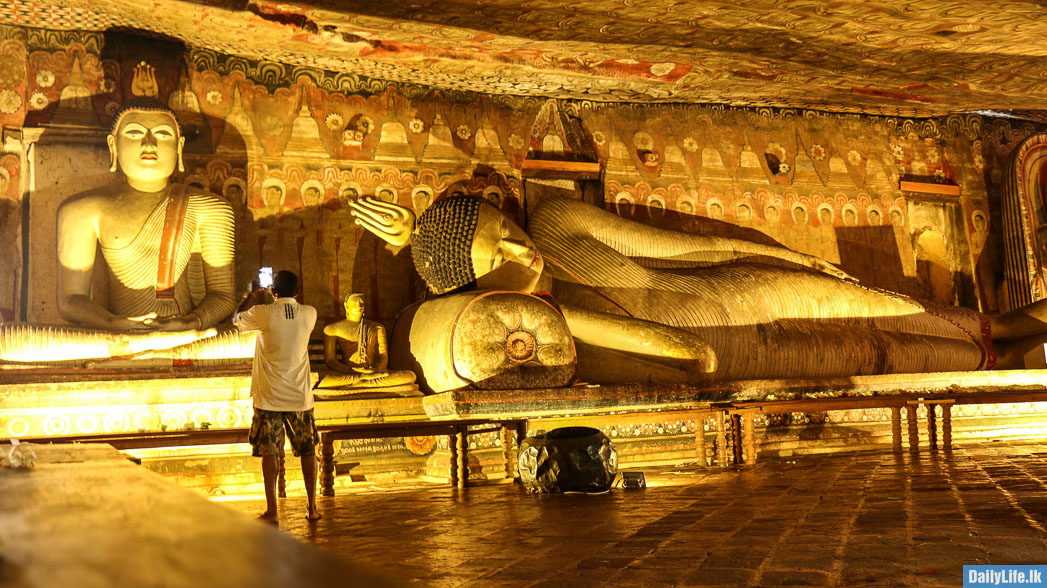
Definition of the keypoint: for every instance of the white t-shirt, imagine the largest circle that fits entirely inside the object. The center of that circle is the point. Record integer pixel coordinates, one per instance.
(280, 373)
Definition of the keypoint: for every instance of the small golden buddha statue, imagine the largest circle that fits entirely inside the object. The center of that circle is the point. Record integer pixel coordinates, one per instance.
(168, 250)
(364, 349)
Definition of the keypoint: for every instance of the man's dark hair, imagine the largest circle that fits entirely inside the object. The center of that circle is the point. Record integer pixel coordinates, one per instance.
(285, 284)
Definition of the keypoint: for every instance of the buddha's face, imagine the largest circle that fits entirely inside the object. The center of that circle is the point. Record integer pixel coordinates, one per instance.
(979, 223)
(504, 257)
(354, 308)
(147, 146)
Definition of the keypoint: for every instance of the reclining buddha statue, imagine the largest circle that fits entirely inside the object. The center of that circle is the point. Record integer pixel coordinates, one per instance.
(168, 250)
(647, 304)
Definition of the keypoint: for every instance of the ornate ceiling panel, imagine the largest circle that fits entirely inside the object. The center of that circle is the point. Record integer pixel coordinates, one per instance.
(907, 57)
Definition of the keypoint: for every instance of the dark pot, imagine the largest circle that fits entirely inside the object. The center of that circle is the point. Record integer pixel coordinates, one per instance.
(570, 459)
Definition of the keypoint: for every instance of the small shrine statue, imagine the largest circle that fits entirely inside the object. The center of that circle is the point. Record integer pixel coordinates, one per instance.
(364, 350)
(168, 250)
(648, 304)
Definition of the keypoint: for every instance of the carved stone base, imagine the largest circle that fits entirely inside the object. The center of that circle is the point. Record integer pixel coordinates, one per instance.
(570, 459)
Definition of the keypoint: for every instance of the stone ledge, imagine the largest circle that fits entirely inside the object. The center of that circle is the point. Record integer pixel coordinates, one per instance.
(597, 400)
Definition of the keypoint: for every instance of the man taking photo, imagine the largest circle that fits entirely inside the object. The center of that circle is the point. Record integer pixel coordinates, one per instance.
(280, 386)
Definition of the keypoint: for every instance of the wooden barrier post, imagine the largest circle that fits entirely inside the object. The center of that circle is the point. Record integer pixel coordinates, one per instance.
(326, 465)
(896, 428)
(749, 439)
(914, 433)
(462, 441)
(452, 444)
(521, 434)
(699, 441)
(947, 424)
(721, 439)
(736, 437)
(932, 426)
(281, 480)
(507, 447)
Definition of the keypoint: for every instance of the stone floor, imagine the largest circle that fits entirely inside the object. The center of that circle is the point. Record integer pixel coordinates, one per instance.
(844, 520)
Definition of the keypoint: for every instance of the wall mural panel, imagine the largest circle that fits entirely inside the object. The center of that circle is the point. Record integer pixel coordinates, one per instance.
(10, 236)
(289, 145)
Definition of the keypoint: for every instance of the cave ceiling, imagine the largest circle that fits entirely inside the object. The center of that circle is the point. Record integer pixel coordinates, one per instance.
(912, 58)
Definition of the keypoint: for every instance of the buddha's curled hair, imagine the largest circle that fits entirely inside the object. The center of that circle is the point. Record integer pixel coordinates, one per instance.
(142, 104)
(443, 242)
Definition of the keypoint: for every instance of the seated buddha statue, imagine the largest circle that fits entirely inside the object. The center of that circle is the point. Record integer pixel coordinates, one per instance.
(649, 304)
(168, 250)
(364, 349)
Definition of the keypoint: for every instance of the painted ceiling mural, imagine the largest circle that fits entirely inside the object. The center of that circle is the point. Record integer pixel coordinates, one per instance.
(905, 57)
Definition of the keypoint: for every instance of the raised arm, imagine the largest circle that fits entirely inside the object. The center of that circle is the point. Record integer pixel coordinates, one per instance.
(637, 240)
(217, 246)
(331, 352)
(380, 362)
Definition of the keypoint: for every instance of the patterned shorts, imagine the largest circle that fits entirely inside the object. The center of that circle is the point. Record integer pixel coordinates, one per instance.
(267, 432)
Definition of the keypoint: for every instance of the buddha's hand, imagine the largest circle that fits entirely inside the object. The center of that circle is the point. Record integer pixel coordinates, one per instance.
(390, 222)
(132, 323)
(367, 374)
(185, 322)
(169, 339)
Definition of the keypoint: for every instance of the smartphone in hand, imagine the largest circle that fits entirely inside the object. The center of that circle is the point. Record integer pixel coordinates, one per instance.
(265, 277)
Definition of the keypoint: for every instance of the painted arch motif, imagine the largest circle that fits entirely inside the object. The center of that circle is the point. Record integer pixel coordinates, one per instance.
(1025, 223)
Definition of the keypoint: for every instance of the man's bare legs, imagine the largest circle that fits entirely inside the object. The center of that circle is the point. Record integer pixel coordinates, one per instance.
(269, 469)
(309, 476)
(270, 464)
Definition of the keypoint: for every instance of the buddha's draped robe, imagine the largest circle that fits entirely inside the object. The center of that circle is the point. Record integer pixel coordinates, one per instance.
(370, 343)
(763, 321)
(145, 276)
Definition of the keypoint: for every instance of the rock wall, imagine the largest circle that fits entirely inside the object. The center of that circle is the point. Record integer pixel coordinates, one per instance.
(288, 145)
